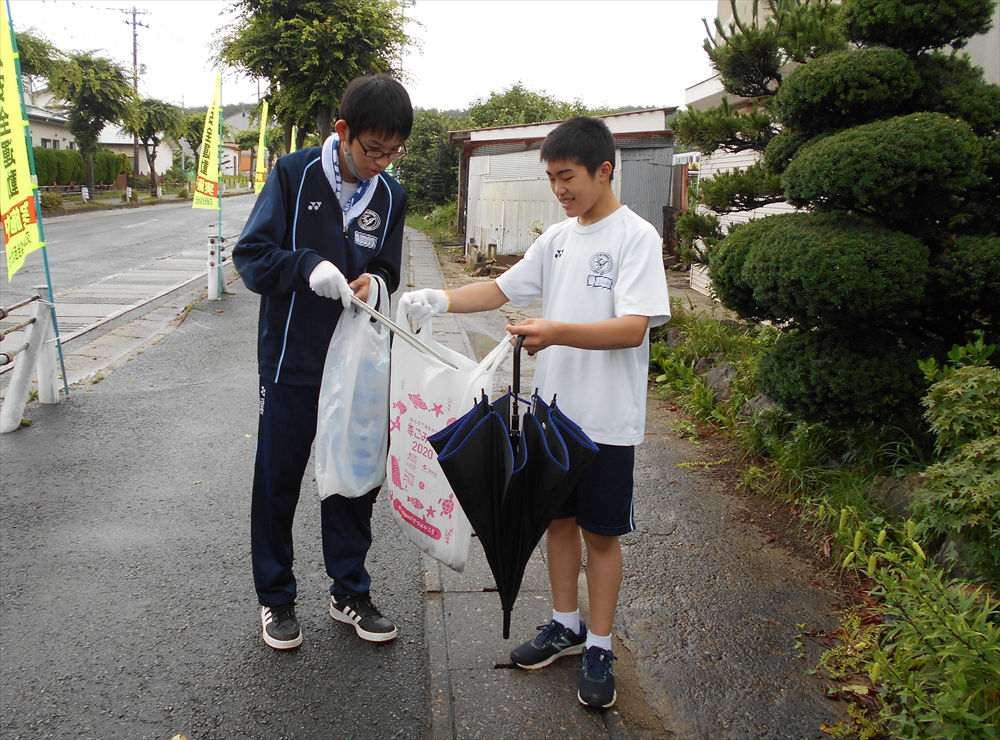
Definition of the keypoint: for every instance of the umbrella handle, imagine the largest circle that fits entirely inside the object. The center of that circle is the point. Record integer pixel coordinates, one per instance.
(515, 423)
(517, 364)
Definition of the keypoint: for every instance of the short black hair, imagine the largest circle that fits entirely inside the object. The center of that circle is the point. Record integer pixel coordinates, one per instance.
(376, 104)
(584, 140)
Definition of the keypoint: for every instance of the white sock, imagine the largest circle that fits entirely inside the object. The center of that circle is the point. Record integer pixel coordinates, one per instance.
(597, 641)
(570, 620)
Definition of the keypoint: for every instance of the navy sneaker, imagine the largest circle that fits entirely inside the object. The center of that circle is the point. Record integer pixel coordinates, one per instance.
(279, 627)
(364, 616)
(554, 642)
(597, 679)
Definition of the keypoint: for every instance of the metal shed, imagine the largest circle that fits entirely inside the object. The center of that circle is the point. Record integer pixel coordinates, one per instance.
(504, 196)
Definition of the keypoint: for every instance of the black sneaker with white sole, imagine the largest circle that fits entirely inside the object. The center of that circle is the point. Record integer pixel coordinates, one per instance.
(279, 627)
(364, 616)
(597, 679)
(553, 642)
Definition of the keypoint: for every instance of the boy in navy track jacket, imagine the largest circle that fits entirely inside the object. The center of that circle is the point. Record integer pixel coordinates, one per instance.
(327, 220)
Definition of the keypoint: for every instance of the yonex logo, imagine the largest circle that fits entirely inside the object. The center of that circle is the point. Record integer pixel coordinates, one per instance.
(314, 205)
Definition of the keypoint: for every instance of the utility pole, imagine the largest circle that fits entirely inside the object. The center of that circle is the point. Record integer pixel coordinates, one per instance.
(135, 75)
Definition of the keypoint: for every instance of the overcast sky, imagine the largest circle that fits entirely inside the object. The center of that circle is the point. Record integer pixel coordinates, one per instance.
(601, 52)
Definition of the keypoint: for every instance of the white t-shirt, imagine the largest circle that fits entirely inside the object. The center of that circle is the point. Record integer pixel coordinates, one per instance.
(592, 273)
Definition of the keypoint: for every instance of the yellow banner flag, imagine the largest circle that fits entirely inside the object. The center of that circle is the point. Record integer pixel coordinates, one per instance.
(22, 232)
(206, 187)
(260, 173)
(295, 139)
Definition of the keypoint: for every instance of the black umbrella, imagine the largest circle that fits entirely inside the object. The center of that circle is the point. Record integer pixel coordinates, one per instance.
(511, 480)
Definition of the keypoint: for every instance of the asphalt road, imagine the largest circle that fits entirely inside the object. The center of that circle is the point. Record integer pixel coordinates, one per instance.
(89, 245)
(128, 606)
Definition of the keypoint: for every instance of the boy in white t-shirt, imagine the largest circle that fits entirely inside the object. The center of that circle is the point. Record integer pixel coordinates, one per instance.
(601, 278)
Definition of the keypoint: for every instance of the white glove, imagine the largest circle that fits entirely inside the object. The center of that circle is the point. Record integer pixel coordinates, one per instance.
(327, 281)
(420, 305)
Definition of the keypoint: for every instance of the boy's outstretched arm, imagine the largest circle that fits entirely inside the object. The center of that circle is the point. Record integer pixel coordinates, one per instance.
(617, 333)
(421, 305)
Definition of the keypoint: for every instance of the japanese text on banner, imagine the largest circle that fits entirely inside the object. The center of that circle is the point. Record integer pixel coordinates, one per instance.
(18, 212)
(206, 187)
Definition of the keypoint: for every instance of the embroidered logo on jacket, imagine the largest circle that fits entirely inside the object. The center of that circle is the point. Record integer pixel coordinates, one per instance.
(365, 240)
(314, 205)
(369, 220)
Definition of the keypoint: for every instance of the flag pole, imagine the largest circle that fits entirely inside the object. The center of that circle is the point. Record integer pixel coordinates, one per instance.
(37, 197)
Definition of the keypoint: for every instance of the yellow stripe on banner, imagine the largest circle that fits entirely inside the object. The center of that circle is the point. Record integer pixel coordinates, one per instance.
(18, 211)
(206, 187)
(260, 173)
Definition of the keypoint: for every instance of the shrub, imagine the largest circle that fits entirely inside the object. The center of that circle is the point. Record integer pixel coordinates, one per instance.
(846, 88)
(915, 25)
(958, 500)
(964, 406)
(725, 266)
(107, 167)
(46, 167)
(939, 656)
(833, 270)
(908, 170)
(783, 147)
(966, 279)
(952, 85)
(823, 377)
(52, 202)
(71, 166)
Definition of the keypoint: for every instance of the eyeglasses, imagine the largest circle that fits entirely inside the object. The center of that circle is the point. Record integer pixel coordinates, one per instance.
(392, 156)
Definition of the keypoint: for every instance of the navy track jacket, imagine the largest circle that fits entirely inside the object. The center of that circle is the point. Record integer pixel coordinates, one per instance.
(296, 223)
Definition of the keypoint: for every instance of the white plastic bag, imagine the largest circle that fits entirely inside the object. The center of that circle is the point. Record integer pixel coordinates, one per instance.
(425, 396)
(353, 415)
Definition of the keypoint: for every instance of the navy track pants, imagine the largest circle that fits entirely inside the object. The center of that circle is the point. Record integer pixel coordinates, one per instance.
(285, 435)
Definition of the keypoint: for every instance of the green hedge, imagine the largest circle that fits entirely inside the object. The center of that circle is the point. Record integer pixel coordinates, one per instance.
(833, 270)
(65, 166)
(909, 170)
(914, 25)
(821, 377)
(846, 88)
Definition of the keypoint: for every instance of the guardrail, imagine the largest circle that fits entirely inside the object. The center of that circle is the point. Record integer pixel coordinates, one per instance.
(38, 354)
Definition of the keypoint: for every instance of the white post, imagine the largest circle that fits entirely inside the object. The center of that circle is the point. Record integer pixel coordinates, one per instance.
(85, 193)
(214, 256)
(20, 378)
(48, 376)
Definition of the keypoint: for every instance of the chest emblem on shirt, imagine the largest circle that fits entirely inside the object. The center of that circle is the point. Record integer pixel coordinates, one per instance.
(601, 263)
(369, 220)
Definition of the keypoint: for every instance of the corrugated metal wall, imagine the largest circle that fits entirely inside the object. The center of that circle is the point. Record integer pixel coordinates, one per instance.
(645, 176)
(509, 194)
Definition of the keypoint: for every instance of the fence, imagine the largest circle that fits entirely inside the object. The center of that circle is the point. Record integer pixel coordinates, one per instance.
(37, 353)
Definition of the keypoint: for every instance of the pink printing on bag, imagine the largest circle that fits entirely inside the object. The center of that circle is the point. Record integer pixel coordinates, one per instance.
(404, 473)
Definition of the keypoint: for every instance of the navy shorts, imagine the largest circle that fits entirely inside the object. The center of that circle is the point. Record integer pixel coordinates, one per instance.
(602, 500)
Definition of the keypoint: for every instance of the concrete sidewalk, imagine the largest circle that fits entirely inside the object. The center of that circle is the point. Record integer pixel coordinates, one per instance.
(475, 691)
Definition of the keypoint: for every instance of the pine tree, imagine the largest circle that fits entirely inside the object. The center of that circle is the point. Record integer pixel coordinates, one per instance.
(891, 146)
